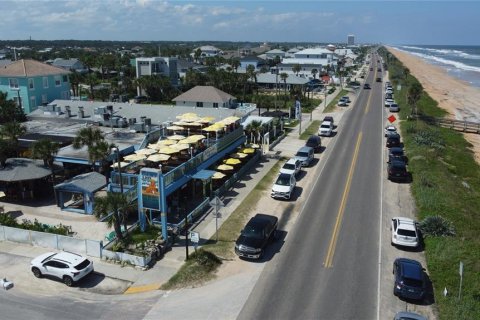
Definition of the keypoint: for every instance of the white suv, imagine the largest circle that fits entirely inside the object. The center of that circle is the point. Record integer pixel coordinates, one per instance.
(326, 129)
(292, 166)
(67, 266)
(404, 232)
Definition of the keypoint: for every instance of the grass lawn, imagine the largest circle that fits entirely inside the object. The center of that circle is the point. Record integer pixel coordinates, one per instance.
(312, 129)
(446, 182)
(333, 104)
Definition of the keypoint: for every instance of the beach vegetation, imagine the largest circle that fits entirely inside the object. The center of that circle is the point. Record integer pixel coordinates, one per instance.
(446, 189)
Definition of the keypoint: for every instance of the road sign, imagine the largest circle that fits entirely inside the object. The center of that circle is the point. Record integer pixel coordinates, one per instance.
(460, 269)
(195, 237)
(391, 118)
(217, 203)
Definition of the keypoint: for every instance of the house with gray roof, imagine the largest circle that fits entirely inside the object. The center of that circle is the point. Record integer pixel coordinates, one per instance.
(272, 80)
(270, 55)
(205, 97)
(71, 64)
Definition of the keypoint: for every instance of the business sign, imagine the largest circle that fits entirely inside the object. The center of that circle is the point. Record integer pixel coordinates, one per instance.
(150, 188)
(298, 110)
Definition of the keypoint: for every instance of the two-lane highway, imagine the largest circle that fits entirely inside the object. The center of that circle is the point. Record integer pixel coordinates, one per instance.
(328, 268)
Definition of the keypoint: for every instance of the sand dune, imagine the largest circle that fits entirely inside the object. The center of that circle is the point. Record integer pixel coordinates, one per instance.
(457, 97)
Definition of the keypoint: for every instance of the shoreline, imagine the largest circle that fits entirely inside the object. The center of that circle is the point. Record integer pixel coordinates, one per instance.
(460, 99)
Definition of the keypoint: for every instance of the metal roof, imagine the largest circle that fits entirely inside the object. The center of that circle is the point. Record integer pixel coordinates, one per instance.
(87, 182)
(272, 78)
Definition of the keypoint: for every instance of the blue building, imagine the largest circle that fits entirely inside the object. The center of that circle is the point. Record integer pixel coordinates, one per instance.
(32, 83)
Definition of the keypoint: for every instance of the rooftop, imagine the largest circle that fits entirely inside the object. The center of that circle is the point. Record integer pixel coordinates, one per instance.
(30, 68)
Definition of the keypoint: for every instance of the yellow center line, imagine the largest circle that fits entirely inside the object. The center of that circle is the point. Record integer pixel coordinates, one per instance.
(333, 241)
(370, 94)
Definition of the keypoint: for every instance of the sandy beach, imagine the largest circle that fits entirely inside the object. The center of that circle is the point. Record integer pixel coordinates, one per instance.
(457, 97)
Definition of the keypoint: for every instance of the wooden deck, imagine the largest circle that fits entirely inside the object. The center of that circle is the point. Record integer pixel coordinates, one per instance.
(459, 125)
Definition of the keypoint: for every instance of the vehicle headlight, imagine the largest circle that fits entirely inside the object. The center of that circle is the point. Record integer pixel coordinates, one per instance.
(257, 250)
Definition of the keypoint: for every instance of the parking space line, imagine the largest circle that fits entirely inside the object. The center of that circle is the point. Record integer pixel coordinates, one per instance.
(145, 288)
(333, 242)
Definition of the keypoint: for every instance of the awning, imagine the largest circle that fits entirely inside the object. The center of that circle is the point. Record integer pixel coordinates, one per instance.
(203, 174)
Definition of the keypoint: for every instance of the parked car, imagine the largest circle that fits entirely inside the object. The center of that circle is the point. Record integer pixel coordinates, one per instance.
(390, 129)
(305, 155)
(326, 129)
(389, 96)
(388, 102)
(396, 153)
(397, 170)
(342, 103)
(346, 99)
(329, 118)
(389, 90)
(283, 186)
(292, 166)
(366, 86)
(379, 79)
(404, 232)
(67, 266)
(410, 279)
(256, 235)
(405, 315)
(393, 140)
(394, 107)
(314, 142)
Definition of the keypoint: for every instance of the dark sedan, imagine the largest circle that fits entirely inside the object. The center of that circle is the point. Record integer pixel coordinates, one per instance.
(397, 170)
(410, 279)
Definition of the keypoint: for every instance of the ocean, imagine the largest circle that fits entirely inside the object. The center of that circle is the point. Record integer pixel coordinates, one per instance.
(462, 62)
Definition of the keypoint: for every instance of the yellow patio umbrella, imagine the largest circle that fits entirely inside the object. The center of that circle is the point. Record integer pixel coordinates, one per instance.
(254, 146)
(188, 115)
(167, 150)
(166, 142)
(146, 151)
(180, 123)
(186, 141)
(232, 161)
(175, 128)
(180, 146)
(239, 155)
(206, 119)
(158, 157)
(197, 137)
(134, 157)
(224, 167)
(248, 150)
(218, 175)
(176, 137)
(122, 165)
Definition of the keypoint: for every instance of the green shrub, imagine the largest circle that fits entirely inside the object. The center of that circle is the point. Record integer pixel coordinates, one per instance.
(436, 226)
(429, 138)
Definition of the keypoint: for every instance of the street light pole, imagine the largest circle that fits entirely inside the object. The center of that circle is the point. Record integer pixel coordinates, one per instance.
(117, 152)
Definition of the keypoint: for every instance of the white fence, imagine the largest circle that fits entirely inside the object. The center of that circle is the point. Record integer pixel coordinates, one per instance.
(87, 247)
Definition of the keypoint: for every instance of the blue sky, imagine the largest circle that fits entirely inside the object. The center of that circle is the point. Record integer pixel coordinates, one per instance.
(389, 22)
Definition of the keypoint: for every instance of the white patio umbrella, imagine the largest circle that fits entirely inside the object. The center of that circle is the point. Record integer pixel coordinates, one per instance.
(180, 146)
(176, 137)
(146, 151)
(158, 157)
(134, 157)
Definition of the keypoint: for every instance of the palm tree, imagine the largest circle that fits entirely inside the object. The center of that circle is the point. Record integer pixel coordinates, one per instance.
(254, 129)
(414, 94)
(100, 153)
(296, 68)
(197, 54)
(75, 79)
(91, 80)
(46, 150)
(406, 72)
(235, 64)
(252, 75)
(12, 131)
(9, 110)
(115, 203)
(93, 139)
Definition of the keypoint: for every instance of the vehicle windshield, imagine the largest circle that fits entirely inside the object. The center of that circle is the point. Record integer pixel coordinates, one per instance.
(252, 232)
(412, 282)
(325, 126)
(82, 265)
(302, 154)
(407, 233)
(283, 180)
(289, 166)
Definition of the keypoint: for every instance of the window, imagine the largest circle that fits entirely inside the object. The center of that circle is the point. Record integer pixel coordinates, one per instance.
(58, 82)
(199, 104)
(31, 85)
(13, 83)
(45, 82)
(65, 78)
(215, 105)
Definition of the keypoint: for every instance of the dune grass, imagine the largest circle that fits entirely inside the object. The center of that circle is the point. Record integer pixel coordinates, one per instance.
(446, 182)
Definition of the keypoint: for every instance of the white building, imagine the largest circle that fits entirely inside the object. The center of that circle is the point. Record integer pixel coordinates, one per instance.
(157, 66)
(207, 51)
(308, 59)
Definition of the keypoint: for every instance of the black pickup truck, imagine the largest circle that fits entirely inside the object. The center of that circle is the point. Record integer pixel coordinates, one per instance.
(256, 235)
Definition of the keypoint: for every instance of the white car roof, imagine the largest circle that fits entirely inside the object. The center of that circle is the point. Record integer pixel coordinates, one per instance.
(405, 223)
(292, 161)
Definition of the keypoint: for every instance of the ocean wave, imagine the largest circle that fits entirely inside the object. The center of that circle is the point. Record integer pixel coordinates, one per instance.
(451, 52)
(439, 60)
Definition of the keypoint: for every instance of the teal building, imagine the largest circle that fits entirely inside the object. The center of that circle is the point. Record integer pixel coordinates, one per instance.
(32, 83)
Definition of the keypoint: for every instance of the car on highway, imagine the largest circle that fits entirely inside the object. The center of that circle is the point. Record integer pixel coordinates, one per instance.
(397, 171)
(393, 140)
(305, 155)
(292, 166)
(410, 279)
(366, 86)
(390, 129)
(378, 79)
(314, 142)
(256, 235)
(404, 232)
(283, 186)
(66, 266)
(405, 315)
(326, 129)
(394, 107)
(397, 153)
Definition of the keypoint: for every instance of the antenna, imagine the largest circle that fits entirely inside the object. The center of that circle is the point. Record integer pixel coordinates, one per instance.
(159, 53)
